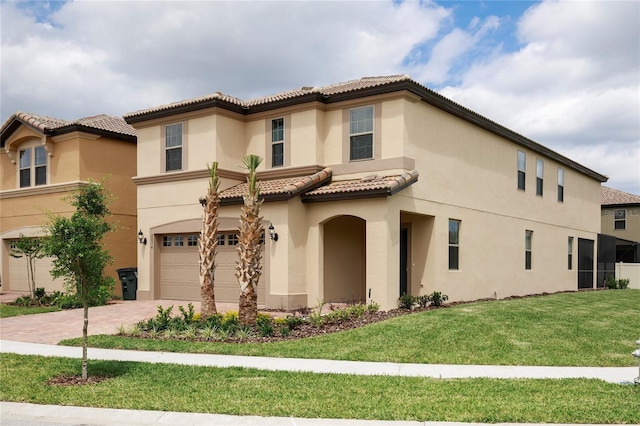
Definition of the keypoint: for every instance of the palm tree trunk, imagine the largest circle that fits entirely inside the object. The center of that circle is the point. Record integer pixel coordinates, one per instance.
(248, 269)
(208, 244)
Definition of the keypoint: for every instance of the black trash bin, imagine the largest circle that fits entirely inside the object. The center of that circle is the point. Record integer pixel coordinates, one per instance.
(129, 280)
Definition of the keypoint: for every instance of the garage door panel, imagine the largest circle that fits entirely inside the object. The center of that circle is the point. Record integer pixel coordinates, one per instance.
(17, 277)
(179, 276)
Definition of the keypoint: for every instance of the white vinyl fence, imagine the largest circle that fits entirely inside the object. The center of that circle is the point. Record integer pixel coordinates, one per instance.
(630, 271)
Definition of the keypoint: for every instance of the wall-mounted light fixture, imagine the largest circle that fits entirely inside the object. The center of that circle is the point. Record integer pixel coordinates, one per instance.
(203, 201)
(141, 238)
(272, 233)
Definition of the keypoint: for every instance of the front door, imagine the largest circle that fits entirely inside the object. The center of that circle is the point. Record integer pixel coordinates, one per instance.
(404, 260)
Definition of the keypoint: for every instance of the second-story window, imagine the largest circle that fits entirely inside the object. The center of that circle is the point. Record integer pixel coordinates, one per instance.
(522, 170)
(33, 166)
(361, 133)
(560, 184)
(620, 219)
(173, 147)
(539, 177)
(277, 142)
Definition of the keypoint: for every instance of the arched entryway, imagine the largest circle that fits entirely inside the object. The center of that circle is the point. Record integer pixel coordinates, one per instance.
(344, 254)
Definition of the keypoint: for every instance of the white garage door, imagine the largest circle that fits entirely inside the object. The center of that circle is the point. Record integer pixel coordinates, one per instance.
(179, 277)
(17, 278)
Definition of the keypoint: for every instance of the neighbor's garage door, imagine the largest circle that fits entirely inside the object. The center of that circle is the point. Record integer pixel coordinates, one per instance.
(17, 278)
(179, 277)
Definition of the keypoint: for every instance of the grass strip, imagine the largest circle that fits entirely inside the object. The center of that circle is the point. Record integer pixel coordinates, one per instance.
(597, 328)
(14, 311)
(240, 391)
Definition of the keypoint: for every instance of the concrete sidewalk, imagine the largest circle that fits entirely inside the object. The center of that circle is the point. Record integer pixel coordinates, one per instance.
(14, 414)
(323, 366)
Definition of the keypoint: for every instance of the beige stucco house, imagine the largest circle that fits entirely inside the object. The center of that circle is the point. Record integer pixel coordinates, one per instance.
(42, 160)
(375, 187)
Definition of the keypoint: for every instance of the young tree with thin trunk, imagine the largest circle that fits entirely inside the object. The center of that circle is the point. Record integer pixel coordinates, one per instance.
(208, 243)
(30, 249)
(248, 269)
(78, 253)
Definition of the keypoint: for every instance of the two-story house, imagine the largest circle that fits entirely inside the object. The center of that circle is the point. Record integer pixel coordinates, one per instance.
(42, 160)
(621, 220)
(375, 187)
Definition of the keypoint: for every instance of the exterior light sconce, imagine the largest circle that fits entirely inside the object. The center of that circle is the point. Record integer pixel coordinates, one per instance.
(141, 238)
(203, 201)
(272, 233)
(636, 354)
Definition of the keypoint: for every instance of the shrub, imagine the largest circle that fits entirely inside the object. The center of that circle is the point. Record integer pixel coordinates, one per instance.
(67, 301)
(293, 321)
(357, 310)
(24, 301)
(623, 283)
(611, 282)
(373, 307)
(438, 298)
(230, 322)
(406, 301)
(187, 314)
(423, 301)
(40, 294)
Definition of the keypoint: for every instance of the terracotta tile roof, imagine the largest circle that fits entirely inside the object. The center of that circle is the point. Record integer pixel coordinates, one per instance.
(46, 124)
(367, 187)
(278, 189)
(333, 89)
(611, 197)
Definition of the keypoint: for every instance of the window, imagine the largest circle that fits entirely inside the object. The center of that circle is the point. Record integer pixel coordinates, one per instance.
(527, 249)
(192, 240)
(560, 184)
(173, 147)
(570, 253)
(454, 244)
(233, 239)
(522, 169)
(539, 176)
(220, 239)
(13, 245)
(361, 133)
(166, 241)
(178, 241)
(620, 219)
(33, 168)
(277, 142)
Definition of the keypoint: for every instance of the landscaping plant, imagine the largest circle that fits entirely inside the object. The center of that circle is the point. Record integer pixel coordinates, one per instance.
(79, 256)
(208, 242)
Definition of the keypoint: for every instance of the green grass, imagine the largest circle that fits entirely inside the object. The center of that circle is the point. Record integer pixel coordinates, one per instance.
(596, 328)
(13, 311)
(239, 391)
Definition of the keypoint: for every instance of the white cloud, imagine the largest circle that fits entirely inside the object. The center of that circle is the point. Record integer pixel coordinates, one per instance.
(573, 86)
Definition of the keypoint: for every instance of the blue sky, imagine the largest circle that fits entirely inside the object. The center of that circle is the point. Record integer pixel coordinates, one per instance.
(564, 73)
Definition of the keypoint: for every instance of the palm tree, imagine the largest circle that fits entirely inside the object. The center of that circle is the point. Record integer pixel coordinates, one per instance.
(248, 269)
(208, 243)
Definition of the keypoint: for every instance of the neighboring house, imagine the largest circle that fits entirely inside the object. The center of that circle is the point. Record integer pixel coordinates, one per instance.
(621, 220)
(42, 160)
(376, 187)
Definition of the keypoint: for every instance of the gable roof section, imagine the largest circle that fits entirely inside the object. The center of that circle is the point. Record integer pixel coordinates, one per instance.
(104, 125)
(354, 89)
(615, 197)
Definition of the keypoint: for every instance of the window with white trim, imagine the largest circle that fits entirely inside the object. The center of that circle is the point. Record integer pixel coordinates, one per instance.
(192, 240)
(620, 219)
(454, 244)
(539, 177)
(277, 142)
(522, 170)
(570, 252)
(361, 133)
(173, 147)
(560, 184)
(33, 167)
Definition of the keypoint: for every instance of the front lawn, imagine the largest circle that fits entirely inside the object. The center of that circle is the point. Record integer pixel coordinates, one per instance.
(14, 310)
(596, 328)
(240, 391)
